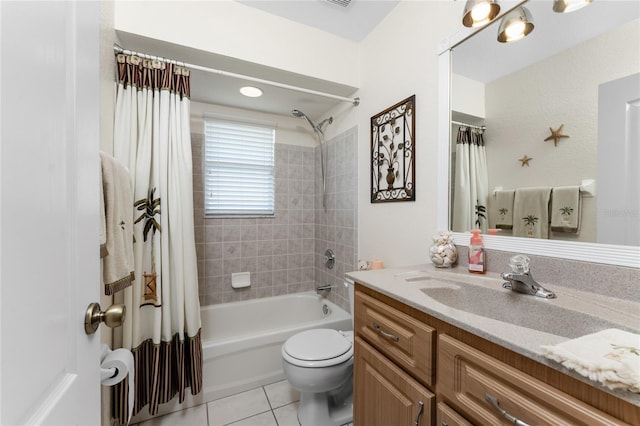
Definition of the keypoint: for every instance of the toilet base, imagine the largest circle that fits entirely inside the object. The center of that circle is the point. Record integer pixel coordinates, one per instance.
(326, 409)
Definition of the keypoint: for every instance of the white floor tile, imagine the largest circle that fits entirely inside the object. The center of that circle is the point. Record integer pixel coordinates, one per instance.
(237, 407)
(287, 415)
(195, 416)
(264, 419)
(281, 393)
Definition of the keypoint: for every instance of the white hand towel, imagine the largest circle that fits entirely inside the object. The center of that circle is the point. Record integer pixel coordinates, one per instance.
(565, 209)
(531, 212)
(611, 357)
(118, 268)
(504, 209)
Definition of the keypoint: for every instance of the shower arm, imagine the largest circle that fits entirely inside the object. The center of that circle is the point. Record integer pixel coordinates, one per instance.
(318, 130)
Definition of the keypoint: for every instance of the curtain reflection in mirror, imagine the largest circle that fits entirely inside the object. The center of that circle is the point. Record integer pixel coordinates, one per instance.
(471, 188)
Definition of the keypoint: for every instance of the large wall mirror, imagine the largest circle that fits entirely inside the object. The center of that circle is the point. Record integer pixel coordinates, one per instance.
(518, 93)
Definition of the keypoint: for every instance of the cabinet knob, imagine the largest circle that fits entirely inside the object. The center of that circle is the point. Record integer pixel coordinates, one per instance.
(496, 404)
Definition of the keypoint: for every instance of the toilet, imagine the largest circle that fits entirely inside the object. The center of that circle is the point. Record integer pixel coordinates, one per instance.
(319, 364)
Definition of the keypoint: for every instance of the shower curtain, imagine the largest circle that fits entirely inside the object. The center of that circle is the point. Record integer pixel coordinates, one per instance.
(162, 328)
(471, 182)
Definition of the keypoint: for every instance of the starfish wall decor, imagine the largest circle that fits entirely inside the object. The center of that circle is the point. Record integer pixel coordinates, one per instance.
(556, 135)
(525, 160)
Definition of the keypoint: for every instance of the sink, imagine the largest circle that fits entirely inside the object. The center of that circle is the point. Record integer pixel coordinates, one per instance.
(547, 315)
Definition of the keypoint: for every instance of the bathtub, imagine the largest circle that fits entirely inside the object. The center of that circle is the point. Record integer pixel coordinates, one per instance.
(241, 341)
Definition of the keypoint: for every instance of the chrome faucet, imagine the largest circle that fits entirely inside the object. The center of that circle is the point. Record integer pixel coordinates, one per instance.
(521, 280)
(324, 287)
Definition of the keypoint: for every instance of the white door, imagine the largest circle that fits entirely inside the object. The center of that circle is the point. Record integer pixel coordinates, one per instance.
(49, 256)
(618, 184)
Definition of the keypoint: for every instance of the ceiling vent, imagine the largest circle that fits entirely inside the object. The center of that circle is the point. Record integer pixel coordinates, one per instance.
(343, 3)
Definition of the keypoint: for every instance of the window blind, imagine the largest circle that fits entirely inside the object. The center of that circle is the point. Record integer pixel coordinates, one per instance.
(239, 168)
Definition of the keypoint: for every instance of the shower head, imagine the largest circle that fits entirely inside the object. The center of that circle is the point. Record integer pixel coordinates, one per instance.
(318, 128)
(323, 122)
(298, 113)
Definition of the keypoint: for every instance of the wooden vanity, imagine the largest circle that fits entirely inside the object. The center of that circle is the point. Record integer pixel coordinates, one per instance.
(414, 369)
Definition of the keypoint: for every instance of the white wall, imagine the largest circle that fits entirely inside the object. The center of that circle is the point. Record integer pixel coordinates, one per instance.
(521, 107)
(230, 28)
(467, 96)
(399, 59)
(289, 130)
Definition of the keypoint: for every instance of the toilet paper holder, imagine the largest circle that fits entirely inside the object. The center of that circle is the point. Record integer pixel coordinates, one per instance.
(113, 316)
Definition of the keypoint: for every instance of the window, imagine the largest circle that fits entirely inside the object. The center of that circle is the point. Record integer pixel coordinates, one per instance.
(238, 168)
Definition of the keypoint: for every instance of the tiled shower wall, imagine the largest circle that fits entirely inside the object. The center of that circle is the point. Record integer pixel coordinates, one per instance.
(336, 227)
(282, 253)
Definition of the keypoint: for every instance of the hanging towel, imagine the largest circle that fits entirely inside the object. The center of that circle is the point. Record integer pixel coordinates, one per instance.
(103, 221)
(118, 269)
(611, 357)
(531, 212)
(504, 209)
(566, 204)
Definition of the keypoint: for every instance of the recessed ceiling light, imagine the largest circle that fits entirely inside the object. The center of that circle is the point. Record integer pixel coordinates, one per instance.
(250, 91)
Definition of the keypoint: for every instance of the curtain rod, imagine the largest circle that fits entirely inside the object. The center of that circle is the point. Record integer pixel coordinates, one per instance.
(469, 125)
(354, 101)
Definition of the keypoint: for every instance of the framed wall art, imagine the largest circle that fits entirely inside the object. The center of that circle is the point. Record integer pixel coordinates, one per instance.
(392, 153)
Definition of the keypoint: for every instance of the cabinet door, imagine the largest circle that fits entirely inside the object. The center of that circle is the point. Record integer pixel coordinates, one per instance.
(385, 395)
(447, 416)
(400, 337)
(488, 392)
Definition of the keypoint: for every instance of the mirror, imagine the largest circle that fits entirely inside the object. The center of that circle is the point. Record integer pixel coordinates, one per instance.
(479, 63)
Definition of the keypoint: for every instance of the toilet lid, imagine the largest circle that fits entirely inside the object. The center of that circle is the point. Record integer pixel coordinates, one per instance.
(318, 345)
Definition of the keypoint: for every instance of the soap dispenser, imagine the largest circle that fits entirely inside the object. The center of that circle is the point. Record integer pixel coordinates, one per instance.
(476, 253)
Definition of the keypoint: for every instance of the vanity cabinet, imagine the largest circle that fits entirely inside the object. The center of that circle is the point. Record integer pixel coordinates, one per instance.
(404, 356)
(490, 392)
(393, 364)
(386, 395)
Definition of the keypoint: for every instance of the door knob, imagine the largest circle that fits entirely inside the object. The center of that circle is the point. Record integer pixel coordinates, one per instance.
(113, 316)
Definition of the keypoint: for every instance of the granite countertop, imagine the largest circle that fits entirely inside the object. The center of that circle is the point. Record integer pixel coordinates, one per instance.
(519, 322)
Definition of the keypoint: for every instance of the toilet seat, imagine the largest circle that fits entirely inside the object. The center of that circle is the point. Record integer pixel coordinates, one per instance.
(318, 348)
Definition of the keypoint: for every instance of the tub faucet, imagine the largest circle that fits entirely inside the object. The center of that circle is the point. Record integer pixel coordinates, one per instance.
(324, 287)
(521, 280)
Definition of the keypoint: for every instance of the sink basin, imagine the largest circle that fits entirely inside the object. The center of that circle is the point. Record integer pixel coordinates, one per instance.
(547, 315)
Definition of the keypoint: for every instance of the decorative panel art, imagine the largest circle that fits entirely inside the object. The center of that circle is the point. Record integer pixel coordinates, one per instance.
(392, 153)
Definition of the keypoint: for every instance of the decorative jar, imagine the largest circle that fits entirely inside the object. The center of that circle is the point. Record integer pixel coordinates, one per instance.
(443, 252)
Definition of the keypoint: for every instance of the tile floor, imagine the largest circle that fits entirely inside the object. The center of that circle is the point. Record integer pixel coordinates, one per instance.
(271, 405)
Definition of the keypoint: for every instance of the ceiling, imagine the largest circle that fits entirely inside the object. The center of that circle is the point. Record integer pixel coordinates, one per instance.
(481, 58)
(352, 22)
(484, 59)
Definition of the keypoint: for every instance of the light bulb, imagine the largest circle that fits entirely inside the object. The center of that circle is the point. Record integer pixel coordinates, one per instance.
(480, 12)
(515, 30)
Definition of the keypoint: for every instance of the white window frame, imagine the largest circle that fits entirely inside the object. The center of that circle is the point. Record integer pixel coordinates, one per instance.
(238, 167)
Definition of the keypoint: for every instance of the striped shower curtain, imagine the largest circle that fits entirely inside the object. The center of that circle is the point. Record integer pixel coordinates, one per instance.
(471, 191)
(162, 328)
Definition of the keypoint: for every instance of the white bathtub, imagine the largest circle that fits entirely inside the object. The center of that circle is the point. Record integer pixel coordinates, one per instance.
(241, 341)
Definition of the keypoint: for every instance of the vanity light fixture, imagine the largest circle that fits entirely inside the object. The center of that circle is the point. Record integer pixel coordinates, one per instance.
(479, 12)
(251, 92)
(515, 25)
(566, 6)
